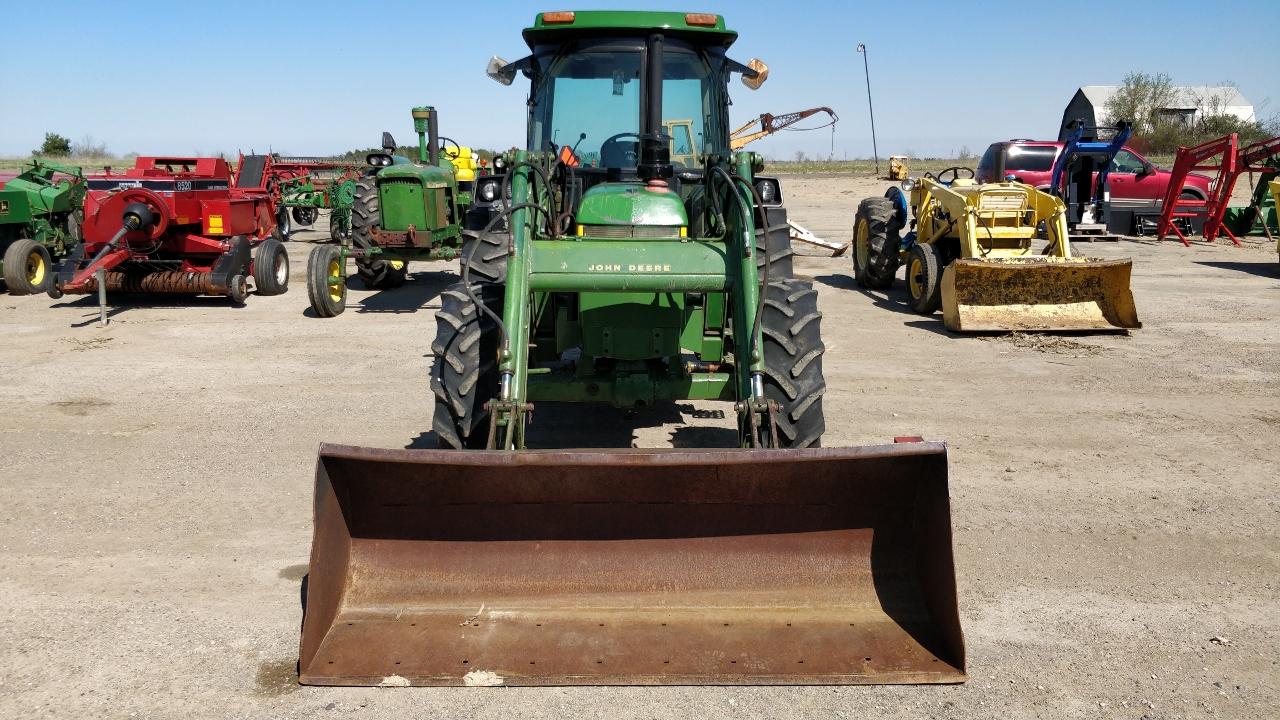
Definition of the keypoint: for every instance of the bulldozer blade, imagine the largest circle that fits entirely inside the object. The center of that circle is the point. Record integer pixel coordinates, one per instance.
(1038, 294)
(631, 567)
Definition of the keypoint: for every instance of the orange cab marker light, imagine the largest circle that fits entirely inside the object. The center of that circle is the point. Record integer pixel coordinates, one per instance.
(702, 19)
(562, 16)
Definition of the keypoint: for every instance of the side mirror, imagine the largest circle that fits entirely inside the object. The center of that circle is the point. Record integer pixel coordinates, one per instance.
(388, 142)
(1147, 169)
(761, 74)
(500, 70)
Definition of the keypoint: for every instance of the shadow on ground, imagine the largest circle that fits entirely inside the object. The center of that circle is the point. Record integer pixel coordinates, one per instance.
(1268, 269)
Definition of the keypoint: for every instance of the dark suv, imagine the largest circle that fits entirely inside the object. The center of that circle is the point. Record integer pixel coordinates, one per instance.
(1137, 184)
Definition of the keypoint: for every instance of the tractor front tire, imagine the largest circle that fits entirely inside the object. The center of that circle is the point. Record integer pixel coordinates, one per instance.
(793, 348)
(464, 375)
(875, 243)
(484, 257)
(924, 278)
(28, 269)
(271, 268)
(325, 264)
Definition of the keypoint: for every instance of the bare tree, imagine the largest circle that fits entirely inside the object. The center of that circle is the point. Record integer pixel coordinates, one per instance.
(88, 147)
(1139, 98)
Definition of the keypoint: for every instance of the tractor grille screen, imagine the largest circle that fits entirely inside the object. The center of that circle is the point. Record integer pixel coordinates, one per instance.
(630, 231)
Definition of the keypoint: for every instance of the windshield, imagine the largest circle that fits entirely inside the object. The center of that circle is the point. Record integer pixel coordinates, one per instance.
(595, 90)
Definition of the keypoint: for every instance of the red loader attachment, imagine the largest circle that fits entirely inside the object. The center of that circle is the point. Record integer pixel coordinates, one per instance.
(634, 567)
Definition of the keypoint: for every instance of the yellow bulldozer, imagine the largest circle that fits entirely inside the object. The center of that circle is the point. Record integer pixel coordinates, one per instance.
(995, 257)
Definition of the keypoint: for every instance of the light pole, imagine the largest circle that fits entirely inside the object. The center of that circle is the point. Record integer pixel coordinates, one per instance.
(862, 49)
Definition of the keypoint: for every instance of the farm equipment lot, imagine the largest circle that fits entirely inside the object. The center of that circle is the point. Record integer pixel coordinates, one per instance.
(1114, 497)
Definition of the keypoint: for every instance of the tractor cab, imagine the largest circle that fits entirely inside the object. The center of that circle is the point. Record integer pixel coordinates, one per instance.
(632, 99)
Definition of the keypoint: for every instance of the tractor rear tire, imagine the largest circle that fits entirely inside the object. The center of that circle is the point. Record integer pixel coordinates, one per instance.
(486, 255)
(924, 278)
(365, 212)
(875, 243)
(327, 300)
(305, 216)
(793, 349)
(779, 249)
(464, 375)
(271, 268)
(379, 274)
(28, 269)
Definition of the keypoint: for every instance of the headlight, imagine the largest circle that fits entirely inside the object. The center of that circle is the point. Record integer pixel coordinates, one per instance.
(378, 159)
(908, 185)
(489, 191)
(498, 162)
(770, 193)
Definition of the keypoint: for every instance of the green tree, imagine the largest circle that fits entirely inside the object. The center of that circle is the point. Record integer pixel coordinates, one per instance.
(54, 144)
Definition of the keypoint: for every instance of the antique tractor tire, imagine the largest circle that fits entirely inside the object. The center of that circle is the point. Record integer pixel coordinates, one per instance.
(875, 243)
(328, 299)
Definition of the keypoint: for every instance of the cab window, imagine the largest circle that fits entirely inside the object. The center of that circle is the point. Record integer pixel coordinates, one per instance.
(1126, 162)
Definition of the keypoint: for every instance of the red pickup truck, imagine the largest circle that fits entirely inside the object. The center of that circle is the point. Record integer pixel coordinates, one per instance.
(1137, 184)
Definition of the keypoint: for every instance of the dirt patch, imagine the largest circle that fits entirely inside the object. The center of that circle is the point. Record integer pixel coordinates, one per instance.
(80, 407)
(83, 344)
(277, 677)
(293, 572)
(1051, 344)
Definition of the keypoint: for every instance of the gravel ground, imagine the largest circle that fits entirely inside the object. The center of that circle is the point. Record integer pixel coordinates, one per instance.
(1114, 497)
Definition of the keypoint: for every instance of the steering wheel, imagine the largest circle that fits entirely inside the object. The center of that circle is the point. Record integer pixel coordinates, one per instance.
(444, 147)
(955, 171)
(631, 158)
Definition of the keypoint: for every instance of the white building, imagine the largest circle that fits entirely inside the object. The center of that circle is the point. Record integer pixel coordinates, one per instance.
(1189, 104)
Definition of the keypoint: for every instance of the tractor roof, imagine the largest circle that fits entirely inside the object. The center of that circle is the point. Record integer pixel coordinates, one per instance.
(704, 28)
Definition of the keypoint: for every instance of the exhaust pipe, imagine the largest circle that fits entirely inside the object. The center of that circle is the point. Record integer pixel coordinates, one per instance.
(636, 567)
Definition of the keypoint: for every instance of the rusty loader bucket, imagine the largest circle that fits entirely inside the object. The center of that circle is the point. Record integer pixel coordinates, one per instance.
(1038, 294)
(634, 567)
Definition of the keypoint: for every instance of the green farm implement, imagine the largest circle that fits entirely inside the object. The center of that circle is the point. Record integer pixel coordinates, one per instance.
(619, 274)
(41, 211)
(311, 184)
(402, 211)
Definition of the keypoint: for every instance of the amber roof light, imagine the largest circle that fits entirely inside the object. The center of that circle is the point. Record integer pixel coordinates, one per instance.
(701, 19)
(556, 18)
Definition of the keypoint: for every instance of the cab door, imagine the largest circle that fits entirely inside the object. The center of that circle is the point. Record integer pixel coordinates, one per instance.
(1133, 184)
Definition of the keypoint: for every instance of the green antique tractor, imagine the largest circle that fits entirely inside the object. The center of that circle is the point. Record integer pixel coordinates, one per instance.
(401, 211)
(609, 271)
(40, 215)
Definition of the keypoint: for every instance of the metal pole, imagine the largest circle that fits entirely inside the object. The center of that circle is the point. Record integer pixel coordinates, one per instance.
(862, 49)
(102, 296)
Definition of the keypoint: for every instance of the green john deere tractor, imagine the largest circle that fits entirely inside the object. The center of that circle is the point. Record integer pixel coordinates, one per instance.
(401, 211)
(40, 217)
(617, 274)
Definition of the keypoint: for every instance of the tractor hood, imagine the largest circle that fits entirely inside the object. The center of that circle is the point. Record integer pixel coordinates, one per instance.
(631, 204)
(430, 176)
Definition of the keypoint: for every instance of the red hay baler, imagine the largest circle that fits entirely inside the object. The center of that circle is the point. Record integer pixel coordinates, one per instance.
(177, 225)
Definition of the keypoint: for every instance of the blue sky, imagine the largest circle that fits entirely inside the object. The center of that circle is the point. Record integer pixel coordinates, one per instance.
(318, 77)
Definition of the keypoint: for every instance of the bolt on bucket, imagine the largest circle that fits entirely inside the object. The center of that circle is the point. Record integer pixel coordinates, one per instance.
(1038, 294)
(632, 567)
